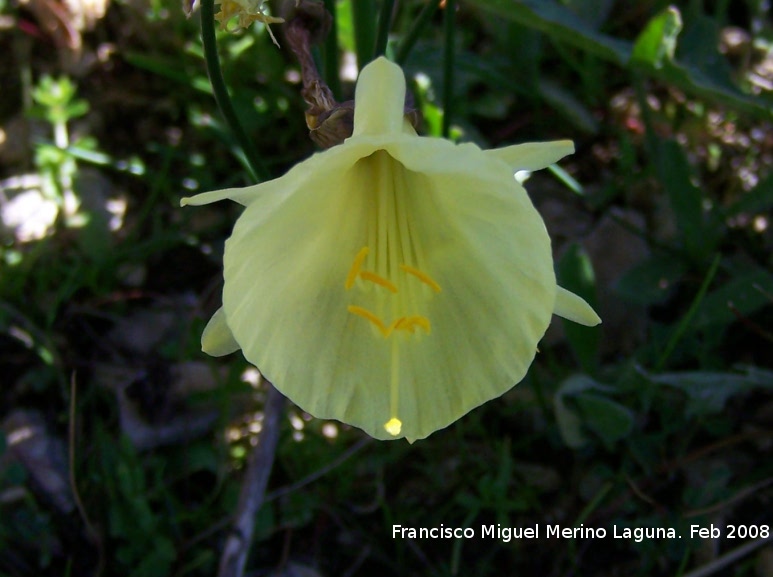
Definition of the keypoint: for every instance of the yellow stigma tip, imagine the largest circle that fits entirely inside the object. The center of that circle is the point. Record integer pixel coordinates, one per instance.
(393, 426)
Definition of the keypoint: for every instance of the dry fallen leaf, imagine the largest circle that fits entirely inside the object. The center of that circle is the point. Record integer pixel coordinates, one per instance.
(42, 455)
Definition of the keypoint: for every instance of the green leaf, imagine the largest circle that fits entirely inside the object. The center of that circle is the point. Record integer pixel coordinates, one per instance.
(746, 293)
(581, 404)
(569, 421)
(265, 522)
(345, 25)
(168, 68)
(197, 457)
(157, 561)
(298, 509)
(594, 12)
(708, 392)
(705, 84)
(364, 16)
(657, 42)
(568, 105)
(560, 23)
(650, 281)
(713, 487)
(575, 273)
(15, 474)
(756, 201)
(686, 200)
(687, 320)
(75, 109)
(608, 419)
(563, 25)
(698, 51)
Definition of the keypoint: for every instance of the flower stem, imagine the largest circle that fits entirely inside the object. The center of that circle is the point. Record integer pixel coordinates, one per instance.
(364, 16)
(448, 65)
(409, 41)
(254, 164)
(331, 62)
(384, 23)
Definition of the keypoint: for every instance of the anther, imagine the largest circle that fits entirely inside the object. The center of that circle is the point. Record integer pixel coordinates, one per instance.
(379, 280)
(366, 314)
(355, 270)
(422, 276)
(410, 323)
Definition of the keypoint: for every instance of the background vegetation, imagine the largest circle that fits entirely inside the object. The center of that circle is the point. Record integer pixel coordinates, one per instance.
(663, 417)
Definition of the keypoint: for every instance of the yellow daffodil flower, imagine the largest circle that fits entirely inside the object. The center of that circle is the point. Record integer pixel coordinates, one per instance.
(248, 11)
(393, 282)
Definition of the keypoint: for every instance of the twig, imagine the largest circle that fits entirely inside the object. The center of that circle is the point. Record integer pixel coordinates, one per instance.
(281, 492)
(93, 534)
(253, 490)
(748, 323)
(728, 558)
(321, 472)
(739, 496)
(641, 495)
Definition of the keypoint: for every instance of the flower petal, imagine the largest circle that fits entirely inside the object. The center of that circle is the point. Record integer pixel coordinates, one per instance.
(280, 188)
(379, 99)
(532, 155)
(574, 308)
(217, 339)
(243, 196)
(240, 195)
(445, 211)
(392, 282)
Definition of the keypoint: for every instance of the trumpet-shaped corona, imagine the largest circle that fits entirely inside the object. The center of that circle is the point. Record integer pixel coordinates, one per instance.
(393, 282)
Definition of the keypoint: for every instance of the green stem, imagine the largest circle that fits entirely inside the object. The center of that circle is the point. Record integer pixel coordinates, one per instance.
(254, 164)
(331, 62)
(364, 16)
(416, 30)
(384, 23)
(687, 319)
(650, 136)
(448, 64)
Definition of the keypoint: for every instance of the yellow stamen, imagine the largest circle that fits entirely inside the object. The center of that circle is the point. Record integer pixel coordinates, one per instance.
(366, 314)
(379, 280)
(355, 270)
(422, 276)
(393, 426)
(409, 324)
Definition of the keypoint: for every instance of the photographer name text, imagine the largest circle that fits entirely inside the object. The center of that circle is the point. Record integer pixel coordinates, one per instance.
(638, 534)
